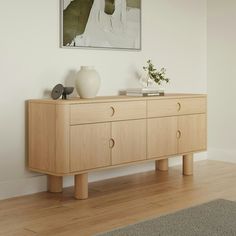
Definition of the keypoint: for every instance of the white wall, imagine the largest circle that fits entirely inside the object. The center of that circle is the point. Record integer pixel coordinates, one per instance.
(31, 62)
(222, 79)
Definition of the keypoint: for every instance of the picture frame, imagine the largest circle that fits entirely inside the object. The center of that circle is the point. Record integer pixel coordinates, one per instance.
(101, 24)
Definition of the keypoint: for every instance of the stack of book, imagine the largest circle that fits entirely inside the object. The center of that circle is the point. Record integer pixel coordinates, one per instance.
(144, 92)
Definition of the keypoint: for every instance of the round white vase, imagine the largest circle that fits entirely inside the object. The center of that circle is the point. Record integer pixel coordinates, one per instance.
(88, 82)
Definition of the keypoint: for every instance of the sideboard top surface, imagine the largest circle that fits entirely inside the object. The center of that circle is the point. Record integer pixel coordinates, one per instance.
(124, 98)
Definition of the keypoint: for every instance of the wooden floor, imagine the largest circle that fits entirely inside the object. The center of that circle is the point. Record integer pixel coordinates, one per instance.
(117, 202)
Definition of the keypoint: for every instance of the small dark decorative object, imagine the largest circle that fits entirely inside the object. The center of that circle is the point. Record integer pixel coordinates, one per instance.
(59, 90)
(67, 91)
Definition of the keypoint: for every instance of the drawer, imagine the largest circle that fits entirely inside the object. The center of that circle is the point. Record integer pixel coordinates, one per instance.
(170, 107)
(102, 112)
(192, 106)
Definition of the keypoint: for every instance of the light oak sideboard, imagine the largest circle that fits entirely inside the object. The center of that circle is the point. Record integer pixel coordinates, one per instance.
(78, 136)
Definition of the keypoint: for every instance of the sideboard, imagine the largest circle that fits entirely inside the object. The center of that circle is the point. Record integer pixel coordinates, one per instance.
(78, 136)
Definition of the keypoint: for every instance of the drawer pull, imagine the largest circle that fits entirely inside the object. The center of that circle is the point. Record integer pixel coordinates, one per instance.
(112, 143)
(178, 135)
(179, 106)
(112, 111)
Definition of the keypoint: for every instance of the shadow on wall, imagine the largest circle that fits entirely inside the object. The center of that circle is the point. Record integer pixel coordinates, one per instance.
(70, 82)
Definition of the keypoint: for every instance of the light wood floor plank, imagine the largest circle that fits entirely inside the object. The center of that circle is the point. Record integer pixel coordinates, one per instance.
(117, 202)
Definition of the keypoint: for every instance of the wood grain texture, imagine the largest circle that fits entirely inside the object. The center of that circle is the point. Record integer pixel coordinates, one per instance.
(192, 106)
(100, 99)
(102, 112)
(117, 202)
(42, 142)
(130, 141)
(161, 137)
(161, 108)
(188, 164)
(81, 186)
(55, 184)
(49, 137)
(162, 165)
(110, 167)
(90, 113)
(173, 107)
(59, 145)
(89, 146)
(62, 138)
(193, 133)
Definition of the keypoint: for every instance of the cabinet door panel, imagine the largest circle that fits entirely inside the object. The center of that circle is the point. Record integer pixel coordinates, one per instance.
(89, 146)
(129, 141)
(162, 139)
(193, 133)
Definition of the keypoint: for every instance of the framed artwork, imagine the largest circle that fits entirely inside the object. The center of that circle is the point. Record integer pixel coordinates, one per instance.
(101, 24)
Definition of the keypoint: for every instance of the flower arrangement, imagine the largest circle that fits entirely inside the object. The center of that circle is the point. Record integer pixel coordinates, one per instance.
(157, 76)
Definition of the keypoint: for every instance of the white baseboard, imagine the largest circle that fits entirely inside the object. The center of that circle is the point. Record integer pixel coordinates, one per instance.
(20, 187)
(225, 155)
(35, 184)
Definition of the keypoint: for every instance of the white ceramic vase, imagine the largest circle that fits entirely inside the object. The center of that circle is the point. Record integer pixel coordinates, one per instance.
(88, 82)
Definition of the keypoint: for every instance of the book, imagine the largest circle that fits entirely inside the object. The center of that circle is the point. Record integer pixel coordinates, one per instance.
(144, 94)
(142, 90)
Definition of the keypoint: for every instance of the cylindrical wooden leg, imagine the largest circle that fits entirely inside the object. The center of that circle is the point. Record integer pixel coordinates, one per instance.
(162, 165)
(81, 186)
(188, 164)
(55, 184)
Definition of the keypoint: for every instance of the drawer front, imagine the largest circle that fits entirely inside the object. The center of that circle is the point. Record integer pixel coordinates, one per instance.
(102, 112)
(192, 106)
(171, 107)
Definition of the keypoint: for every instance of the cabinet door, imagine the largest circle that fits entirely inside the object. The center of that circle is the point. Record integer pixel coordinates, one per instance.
(192, 133)
(162, 137)
(89, 146)
(129, 141)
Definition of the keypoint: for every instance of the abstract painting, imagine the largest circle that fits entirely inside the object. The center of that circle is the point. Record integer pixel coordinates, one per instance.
(101, 24)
